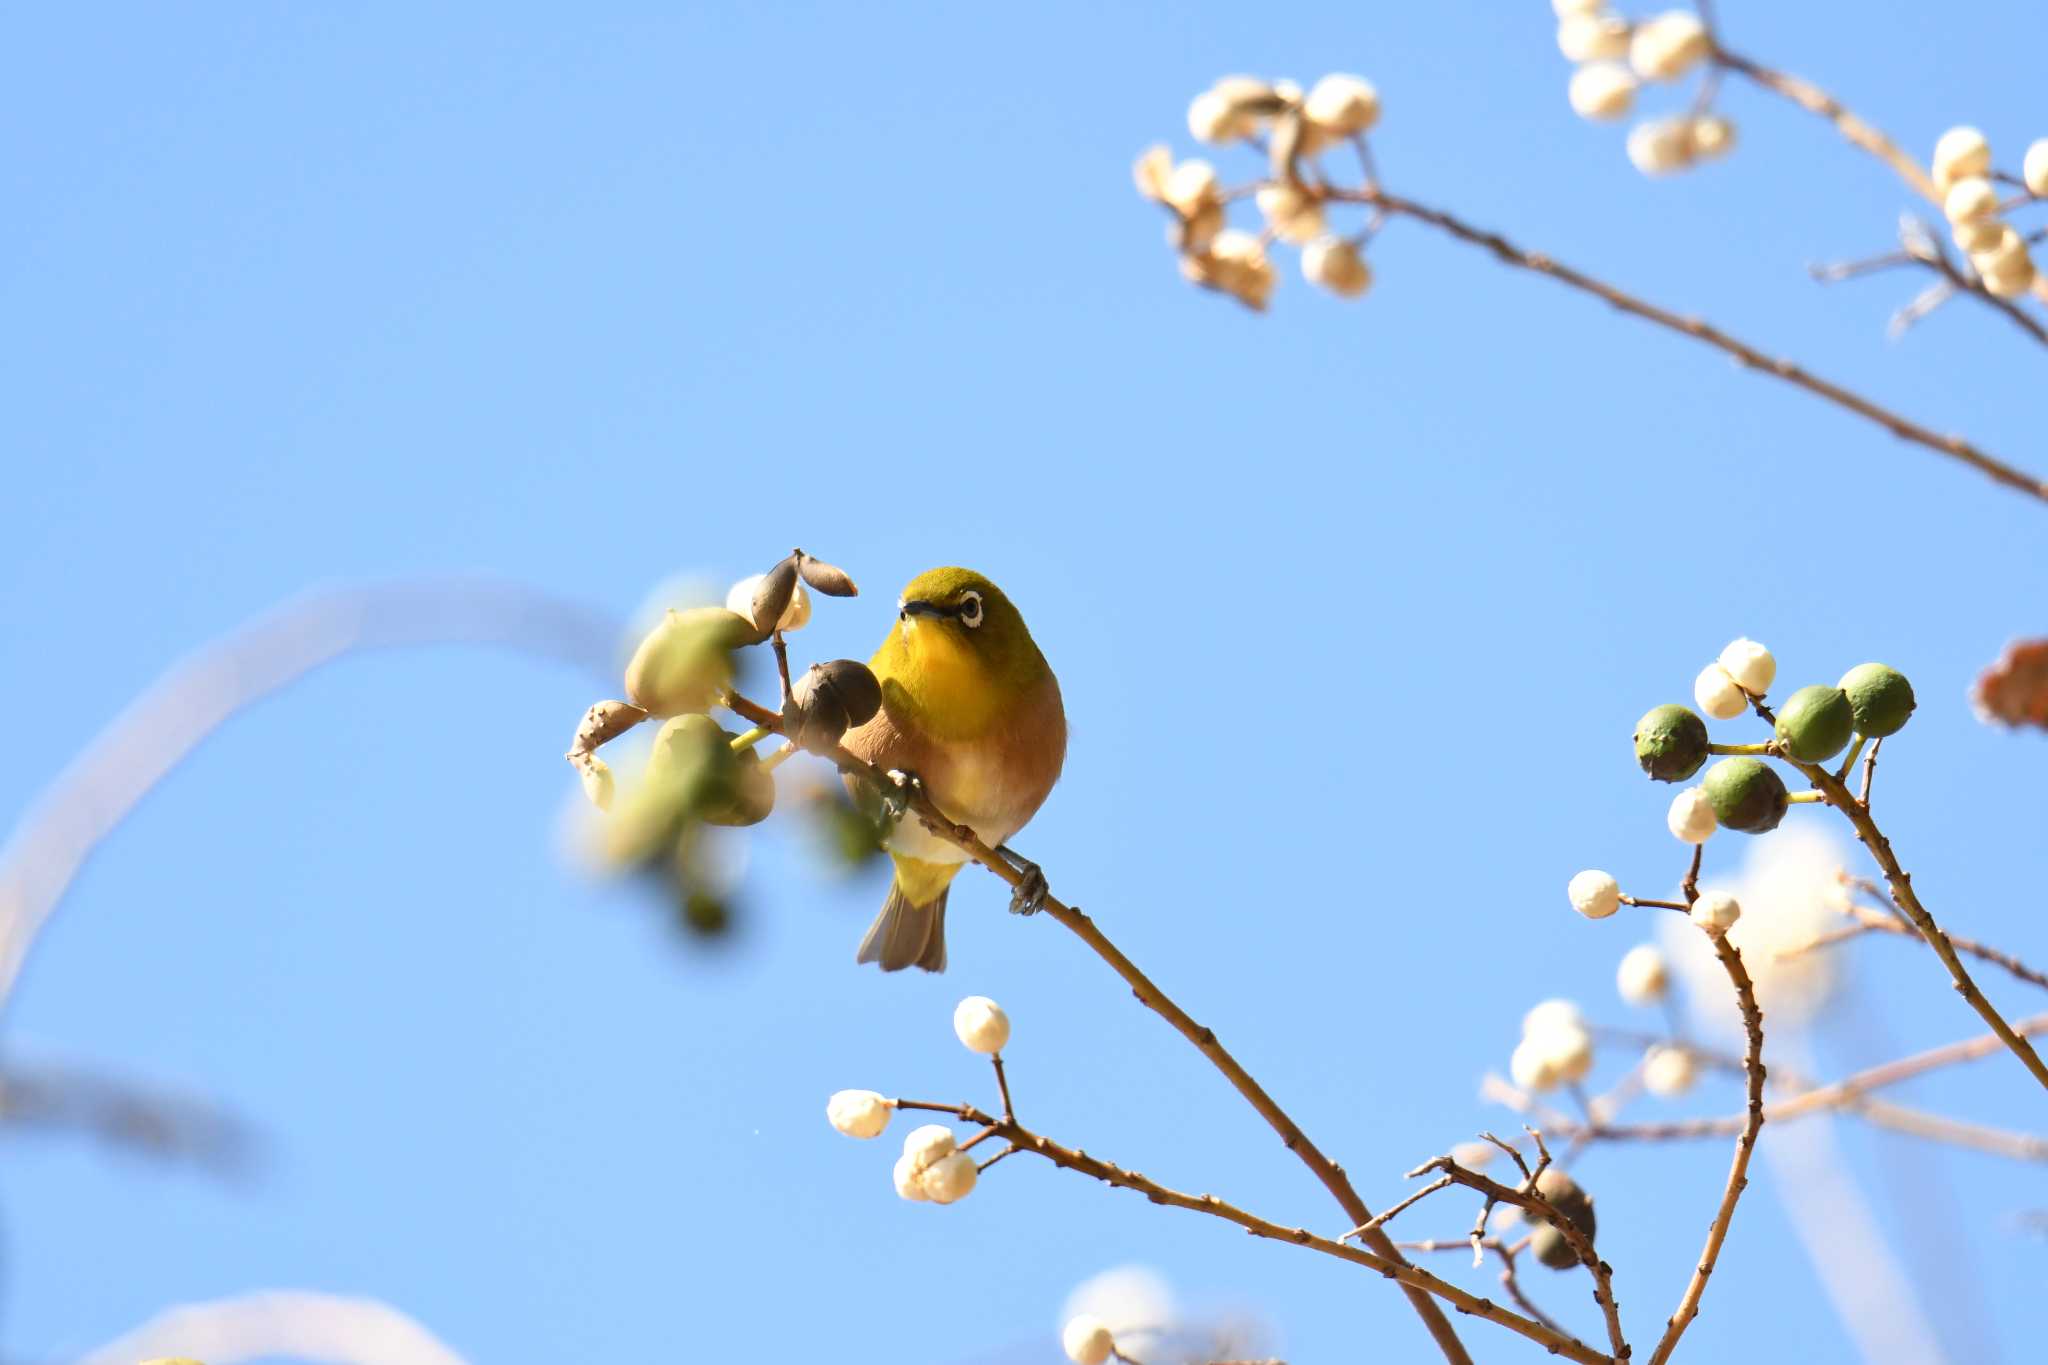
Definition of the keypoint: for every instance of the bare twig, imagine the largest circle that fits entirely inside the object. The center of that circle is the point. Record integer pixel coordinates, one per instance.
(171, 1127)
(1153, 998)
(1510, 254)
(1738, 1169)
(1869, 921)
(1410, 1276)
(1815, 100)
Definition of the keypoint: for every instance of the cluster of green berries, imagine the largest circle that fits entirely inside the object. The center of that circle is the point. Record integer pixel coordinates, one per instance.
(1813, 725)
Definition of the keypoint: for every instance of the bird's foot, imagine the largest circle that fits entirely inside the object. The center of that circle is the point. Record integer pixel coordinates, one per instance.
(903, 788)
(1029, 896)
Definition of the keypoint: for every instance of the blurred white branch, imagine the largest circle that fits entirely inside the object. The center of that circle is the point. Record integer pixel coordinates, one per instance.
(164, 725)
(281, 1322)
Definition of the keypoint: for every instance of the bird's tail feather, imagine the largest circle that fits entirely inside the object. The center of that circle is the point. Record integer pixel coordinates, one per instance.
(906, 934)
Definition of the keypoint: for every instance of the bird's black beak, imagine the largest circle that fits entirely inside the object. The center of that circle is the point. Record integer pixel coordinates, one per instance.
(921, 608)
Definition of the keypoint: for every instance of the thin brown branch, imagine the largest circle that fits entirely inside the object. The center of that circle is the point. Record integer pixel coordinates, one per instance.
(157, 1124)
(1903, 895)
(1510, 254)
(1868, 920)
(1328, 1172)
(1815, 100)
(1841, 1094)
(162, 727)
(1410, 1276)
(1535, 1207)
(1738, 1169)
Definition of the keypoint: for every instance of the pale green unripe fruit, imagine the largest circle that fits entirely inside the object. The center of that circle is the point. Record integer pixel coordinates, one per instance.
(1746, 794)
(1881, 698)
(686, 661)
(1815, 723)
(1671, 743)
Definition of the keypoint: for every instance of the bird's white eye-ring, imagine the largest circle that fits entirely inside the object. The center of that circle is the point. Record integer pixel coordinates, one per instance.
(970, 608)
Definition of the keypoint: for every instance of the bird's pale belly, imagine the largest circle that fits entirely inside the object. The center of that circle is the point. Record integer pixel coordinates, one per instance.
(968, 787)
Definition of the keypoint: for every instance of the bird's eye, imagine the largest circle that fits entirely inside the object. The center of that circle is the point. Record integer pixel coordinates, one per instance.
(970, 609)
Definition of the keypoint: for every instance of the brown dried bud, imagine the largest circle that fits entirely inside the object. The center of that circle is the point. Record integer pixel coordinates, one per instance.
(602, 723)
(1573, 1203)
(829, 579)
(771, 599)
(828, 700)
(686, 661)
(856, 687)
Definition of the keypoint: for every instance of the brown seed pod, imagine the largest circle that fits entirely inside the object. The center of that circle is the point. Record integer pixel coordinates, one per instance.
(855, 686)
(1569, 1199)
(813, 718)
(686, 661)
(601, 724)
(771, 599)
(829, 579)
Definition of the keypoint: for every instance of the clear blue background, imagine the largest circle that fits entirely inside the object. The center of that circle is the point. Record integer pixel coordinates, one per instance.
(1353, 606)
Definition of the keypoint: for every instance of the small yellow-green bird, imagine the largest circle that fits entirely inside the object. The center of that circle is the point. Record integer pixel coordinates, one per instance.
(971, 711)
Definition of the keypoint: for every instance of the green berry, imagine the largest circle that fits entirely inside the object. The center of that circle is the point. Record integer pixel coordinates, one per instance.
(1881, 698)
(1815, 723)
(1746, 794)
(1671, 743)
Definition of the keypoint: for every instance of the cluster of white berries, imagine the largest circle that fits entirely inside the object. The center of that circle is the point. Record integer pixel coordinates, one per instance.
(1556, 1048)
(932, 1168)
(1300, 125)
(1644, 978)
(1724, 689)
(1615, 56)
(1964, 175)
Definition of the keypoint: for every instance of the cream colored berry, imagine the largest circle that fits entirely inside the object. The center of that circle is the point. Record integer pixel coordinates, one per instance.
(1691, 817)
(1592, 37)
(1981, 235)
(1961, 151)
(1191, 186)
(1532, 1066)
(2012, 279)
(1643, 976)
(1086, 1340)
(1601, 91)
(1716, 912)
(1296, 217)
(1553, 1013)
(1717, 694)
(1751, 665)
(2034, 170)
(858, 1113)
(1712, 136)
(981, 1025)
(1335, 265)
(1668, 46)
(1341, 105)
(949, 1179)
(1594, 894)
(1669, 1071)
(1661, 146)
(1970, 199)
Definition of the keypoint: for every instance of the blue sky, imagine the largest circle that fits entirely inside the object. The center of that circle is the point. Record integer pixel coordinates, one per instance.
(1354, 606)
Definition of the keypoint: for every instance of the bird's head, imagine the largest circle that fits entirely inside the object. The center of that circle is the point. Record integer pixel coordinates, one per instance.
(962, 609)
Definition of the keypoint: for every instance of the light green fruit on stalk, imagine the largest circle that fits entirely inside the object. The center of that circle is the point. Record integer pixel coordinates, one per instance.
(1815, 723)
(1671, 743)
(752, 798)
(1881, 698)
(1746, 794)
(686, 661)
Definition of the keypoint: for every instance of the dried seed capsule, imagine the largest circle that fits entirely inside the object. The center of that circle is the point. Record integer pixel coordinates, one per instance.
(1746, 794)
(771, 598)
(1671, 743)
(1815, 723)
(855, 686)
(1881, 698)
(686, 661)
(829, 579)
(1573, 1204)
(1335, 264)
